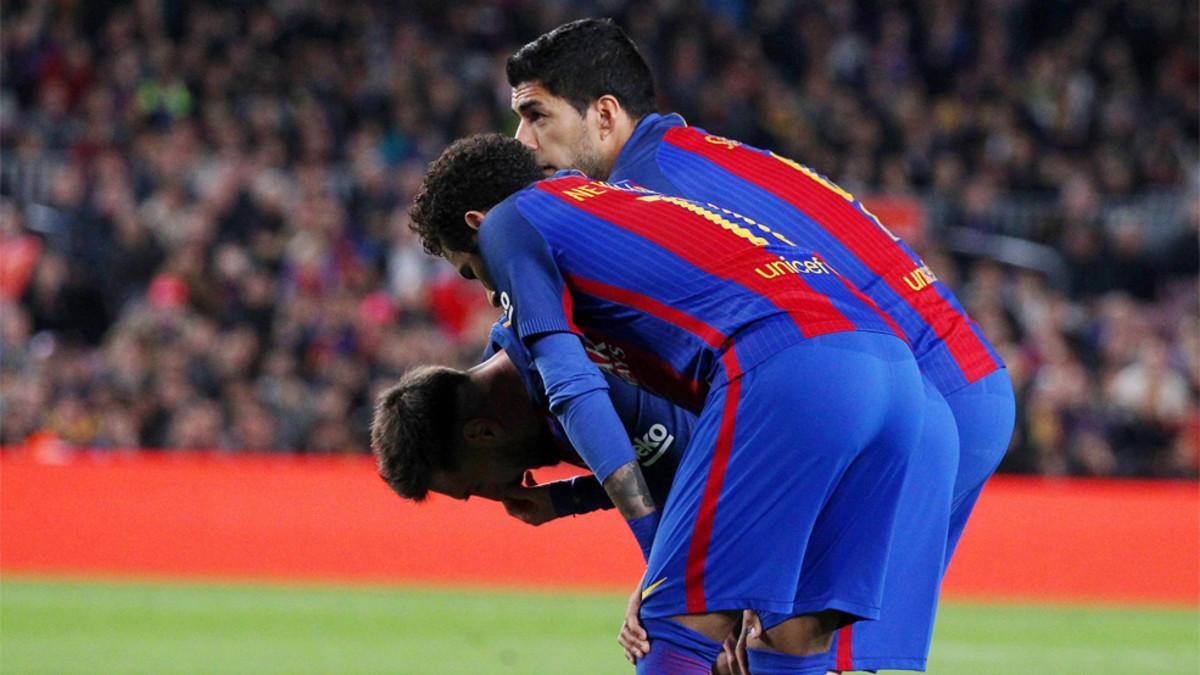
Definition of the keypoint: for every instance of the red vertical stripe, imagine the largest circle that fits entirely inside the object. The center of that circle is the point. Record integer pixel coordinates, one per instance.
(697, 555)
(568, 308)
(866, 300)
(700, 243)
(868, 242)
(644, 303)
(845, 657)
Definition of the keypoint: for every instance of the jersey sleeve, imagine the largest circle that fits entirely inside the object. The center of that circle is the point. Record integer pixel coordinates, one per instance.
(533, 294)
(659, 432)
(578, 495)
(524, 272)
(579, 400)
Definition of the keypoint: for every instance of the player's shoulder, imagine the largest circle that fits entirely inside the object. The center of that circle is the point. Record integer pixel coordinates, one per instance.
(504, 220)
(522, 224)
(507, 210)
(562, 183)
(522, 205)
(698, 139)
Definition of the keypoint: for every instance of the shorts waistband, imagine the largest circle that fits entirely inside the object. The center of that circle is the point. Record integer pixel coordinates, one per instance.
(763, 339)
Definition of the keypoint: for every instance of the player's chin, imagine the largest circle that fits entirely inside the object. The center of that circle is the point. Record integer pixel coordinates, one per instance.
(549, 170)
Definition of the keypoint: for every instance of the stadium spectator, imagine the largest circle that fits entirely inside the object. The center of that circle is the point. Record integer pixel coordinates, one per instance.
(203, 234)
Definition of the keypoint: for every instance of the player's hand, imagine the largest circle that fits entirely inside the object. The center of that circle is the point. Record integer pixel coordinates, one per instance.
(732, 658)
(725, 660)
(633, 637)
(530, 505)
(735, 651)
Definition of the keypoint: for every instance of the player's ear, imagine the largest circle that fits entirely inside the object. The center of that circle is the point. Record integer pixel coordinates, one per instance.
(482, 431)
(474, 219)
(607, 108)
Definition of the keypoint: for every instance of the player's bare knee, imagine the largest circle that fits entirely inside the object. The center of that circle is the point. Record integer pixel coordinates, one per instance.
(801, 635)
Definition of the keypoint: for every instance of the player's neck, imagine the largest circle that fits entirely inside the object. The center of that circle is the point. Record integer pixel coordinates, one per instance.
(620, 134)
(498, 383)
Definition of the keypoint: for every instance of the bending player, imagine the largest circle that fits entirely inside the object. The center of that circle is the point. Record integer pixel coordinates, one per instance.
(494, 427)
(586, 100)
(809, 403)
(479, 432)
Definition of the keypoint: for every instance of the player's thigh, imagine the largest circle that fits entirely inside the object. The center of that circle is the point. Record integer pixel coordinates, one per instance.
(845, 565)
(984, 413)
(900, 637)
(744, 504)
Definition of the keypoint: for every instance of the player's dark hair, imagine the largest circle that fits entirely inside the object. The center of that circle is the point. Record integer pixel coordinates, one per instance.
(473, 174)
(583, 60)
(413, 430)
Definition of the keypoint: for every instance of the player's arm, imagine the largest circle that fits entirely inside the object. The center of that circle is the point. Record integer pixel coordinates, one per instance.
(531, 289)
(658, 430)
(579, 399)
(538, 504)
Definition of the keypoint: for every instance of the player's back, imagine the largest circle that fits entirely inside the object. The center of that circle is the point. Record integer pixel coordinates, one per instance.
(673, 283)
(800, 204)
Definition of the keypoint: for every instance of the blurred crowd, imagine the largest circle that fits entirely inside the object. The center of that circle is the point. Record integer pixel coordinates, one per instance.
(203, 227)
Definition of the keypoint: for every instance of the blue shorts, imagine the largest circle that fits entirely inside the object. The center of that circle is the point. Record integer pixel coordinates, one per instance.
(985, 412)
(900, 638)
(785, 500)
(982, 418)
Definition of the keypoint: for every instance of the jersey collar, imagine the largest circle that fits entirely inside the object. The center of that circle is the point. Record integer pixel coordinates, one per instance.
(645, 140)
(565, 173)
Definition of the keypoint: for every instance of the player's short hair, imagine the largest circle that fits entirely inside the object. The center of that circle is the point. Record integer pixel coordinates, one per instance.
(473, 174)
(583, 60)
(414, 428)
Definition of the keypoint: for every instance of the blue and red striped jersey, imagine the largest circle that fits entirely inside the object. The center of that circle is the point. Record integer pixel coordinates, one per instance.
(667, 156)
(666, 283)
(658, 429)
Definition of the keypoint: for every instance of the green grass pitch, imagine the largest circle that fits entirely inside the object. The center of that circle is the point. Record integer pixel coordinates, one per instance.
(57, 626)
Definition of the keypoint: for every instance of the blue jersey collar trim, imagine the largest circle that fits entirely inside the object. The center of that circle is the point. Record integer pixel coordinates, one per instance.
(645, 138)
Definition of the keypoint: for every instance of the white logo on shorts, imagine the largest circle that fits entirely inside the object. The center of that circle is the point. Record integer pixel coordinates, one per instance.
(653, 444)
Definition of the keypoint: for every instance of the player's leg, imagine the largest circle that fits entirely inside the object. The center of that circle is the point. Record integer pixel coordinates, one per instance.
(677, 650)
(693, 644)
(984, 413)
(738, 523)
(855, 534)
(900, 639)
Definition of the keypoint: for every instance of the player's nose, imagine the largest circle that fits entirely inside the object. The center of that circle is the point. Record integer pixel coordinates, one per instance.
(494, 299)
(526, 136)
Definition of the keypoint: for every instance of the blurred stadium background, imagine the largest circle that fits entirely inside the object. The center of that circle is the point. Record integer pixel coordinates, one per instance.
(206, 275)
